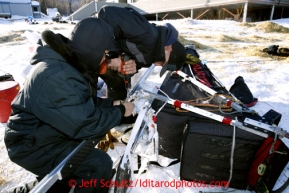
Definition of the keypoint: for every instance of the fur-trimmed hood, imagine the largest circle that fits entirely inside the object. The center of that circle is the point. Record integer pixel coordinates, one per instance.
(85, 47)
(89, 39)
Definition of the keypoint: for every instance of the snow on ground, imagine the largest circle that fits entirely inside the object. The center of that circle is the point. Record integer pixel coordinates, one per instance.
(230, 48)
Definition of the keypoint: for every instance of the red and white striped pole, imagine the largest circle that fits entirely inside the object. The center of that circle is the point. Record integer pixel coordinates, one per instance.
(210, 115)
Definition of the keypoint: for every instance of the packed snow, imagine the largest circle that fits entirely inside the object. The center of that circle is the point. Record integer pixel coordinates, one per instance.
(230, 48)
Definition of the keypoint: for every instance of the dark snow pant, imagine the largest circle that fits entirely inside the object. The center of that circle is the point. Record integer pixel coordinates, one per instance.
(89, 177)
(93, 173)
(115, 85)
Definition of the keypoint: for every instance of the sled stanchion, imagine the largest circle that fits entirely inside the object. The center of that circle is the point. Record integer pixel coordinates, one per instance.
(138, 137)
(124, 170)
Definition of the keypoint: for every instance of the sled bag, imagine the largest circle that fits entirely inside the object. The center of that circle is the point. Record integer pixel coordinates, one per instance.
(206, 153)
(171, 121)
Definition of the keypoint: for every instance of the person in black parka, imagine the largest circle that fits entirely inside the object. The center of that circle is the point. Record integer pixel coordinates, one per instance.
(144, 42)
(57, 106)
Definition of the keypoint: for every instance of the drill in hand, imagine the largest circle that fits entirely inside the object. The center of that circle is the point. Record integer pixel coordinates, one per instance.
(127, 81)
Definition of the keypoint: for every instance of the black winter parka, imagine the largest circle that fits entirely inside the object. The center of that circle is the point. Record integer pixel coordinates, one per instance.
(53, 113)
(134, 35)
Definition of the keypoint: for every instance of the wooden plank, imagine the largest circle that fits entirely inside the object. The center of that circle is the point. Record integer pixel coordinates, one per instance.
(203, 13)
(165, 16)
(181, 15)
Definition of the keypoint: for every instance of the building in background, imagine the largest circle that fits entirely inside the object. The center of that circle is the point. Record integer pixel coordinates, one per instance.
(239, 10)
(20, 7)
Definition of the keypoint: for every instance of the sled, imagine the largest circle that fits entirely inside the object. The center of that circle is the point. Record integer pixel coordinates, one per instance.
(264, 126)
(146, 120)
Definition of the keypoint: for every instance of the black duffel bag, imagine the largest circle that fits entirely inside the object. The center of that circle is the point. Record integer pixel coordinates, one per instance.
(206, 153)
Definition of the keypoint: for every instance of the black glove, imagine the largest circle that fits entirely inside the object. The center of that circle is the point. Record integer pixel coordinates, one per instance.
(128, 120)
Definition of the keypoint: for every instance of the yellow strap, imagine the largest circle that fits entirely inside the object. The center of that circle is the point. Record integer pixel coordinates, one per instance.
(192, 59)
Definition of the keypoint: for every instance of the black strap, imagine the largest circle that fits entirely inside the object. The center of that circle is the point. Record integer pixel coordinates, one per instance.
(157, 163)
(139, 165)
